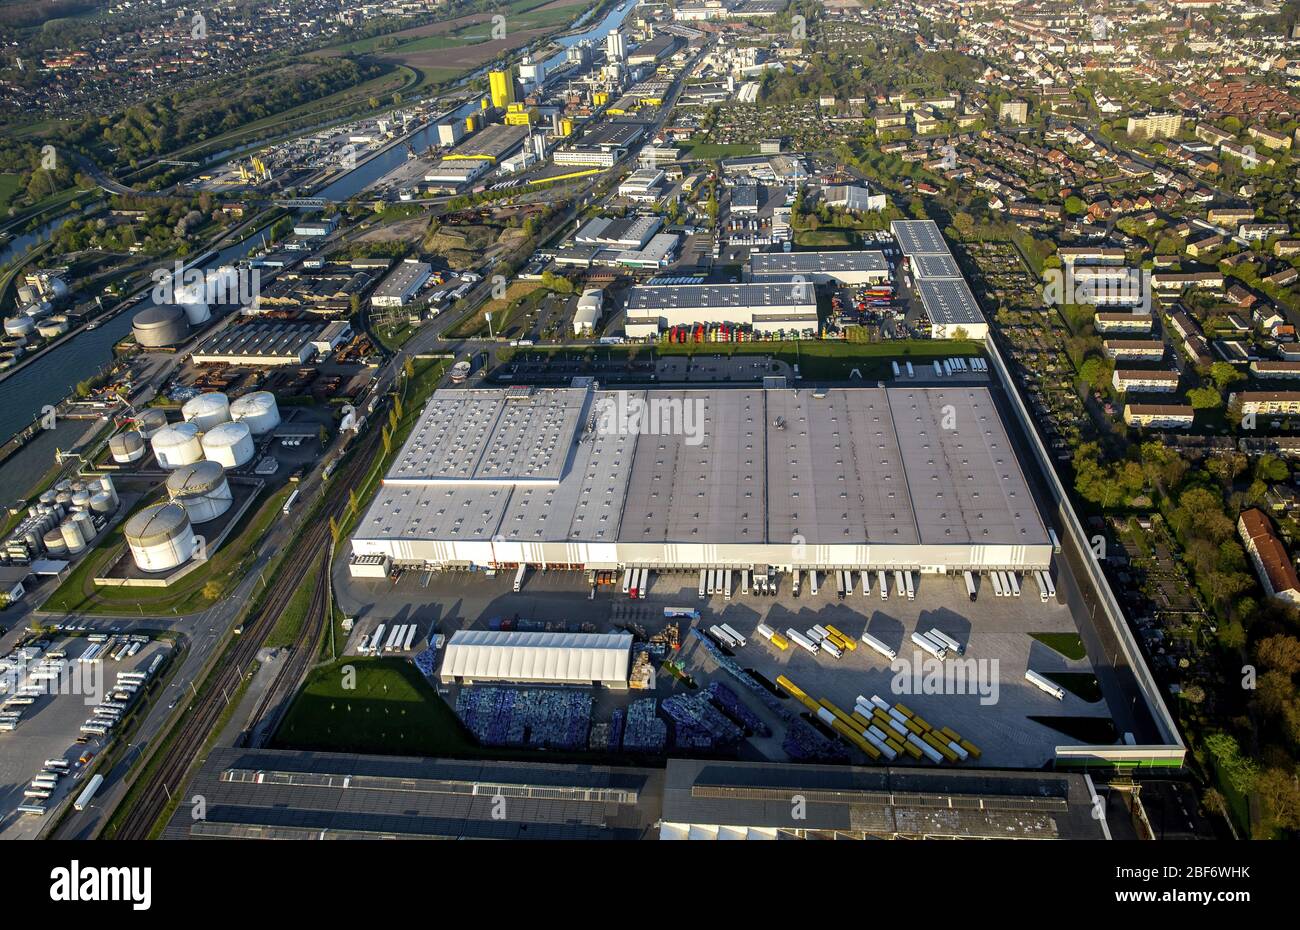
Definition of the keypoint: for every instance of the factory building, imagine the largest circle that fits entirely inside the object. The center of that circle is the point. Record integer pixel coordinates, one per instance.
(845, 268)
(867, 478)
(260, 344)
(947, 299)
(402, 284)
(587, 313)
(768, 307)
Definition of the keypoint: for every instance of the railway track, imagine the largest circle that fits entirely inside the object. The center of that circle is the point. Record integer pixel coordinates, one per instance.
(201, 719)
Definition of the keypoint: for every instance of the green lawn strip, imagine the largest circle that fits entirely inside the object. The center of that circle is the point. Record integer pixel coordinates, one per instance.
(1067, 644)
(295, 612)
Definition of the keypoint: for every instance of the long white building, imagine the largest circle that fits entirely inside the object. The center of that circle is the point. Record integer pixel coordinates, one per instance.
(766, 308)
(909, 478)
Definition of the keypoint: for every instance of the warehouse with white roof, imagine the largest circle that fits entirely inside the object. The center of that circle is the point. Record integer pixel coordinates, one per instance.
(848, 267)
(865, 478)
(543, 658)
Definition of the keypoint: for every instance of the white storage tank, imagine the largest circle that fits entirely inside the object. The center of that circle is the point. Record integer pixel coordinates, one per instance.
(86, 524)
(160, 537)
(102, 502)
(149, 421)
(194, 302)
(201, 489)
(127, 447)
(207, 410)
(72, 537)
(258, 410)
(81, 498)
(230, 444)
(106, 484)
(177, 445)
(54, 544)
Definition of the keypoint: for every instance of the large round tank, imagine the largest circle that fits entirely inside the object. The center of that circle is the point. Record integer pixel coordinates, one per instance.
(207, 410)
(177, 445)
(160, 326)
(149, 421)
(19, 325)
(81, 498)
(106, 484)
(102, 502)
(86, 523)
(258, 410)
(230, 444)
(160, 537)
(72, 536)
(127, 447)
(55, 326)
(47, 497)
(55, 547)
(201, 489)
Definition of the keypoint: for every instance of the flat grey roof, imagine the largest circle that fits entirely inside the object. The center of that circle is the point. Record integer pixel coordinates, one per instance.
(919, 237)
(402, 278)
(261, 340)
(791, 295)
(934, 266)
(949, 300)
(897, 466)
(790, 263)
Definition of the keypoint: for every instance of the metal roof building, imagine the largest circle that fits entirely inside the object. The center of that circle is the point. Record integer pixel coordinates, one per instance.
(847, 267)
(951, 306)
(546, 658)
(919, 237)
(260, 344)
(767, 307)
(921, 478)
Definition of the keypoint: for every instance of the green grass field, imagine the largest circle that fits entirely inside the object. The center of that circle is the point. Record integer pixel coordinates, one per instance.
(712, 150)
(9, 189)
(822, 238)
(1067, 644)
(372, 705)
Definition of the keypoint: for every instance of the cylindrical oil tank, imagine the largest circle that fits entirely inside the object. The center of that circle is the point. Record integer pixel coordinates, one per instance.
(106, 484)
(177, 445)
(160, 537)
(47, 497)
(102, 502)
(63, 499)
(207, 410)
(258, 410)
(160, 326)
(72, 536)
(193, 299)
(127, 447)
(81, 498)
(20, 325)
(230, 444)
(64, 485)
(55, 326)
(86, 523)
(149, 421)
(54, 544)
(201, 489)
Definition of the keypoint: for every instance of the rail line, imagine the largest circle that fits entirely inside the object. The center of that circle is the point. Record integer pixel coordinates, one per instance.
(200, 720)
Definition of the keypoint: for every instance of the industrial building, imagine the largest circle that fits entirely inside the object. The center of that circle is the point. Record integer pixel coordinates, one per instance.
(769, 307)
(603, 146)
(160, 326)
(402, 284)
(490, 144)
(475, 656)
(845, 268)
(947, 299)
(587, 313)
(909, 478)
(632, 242)
(260, 343)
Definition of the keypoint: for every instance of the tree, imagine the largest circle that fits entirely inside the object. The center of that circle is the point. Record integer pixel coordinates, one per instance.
(1239, 771)
(1281, 652)
(1204, 398)
(1279, 795)
(1225, 375)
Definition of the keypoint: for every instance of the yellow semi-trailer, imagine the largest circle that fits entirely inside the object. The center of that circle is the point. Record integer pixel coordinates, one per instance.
(940, 746)
(838, 713)
(861, 718)
(911, 750)
(969, 747)
(913, 727)
(904, 709)
(789, 685)
(853, 737)
(849, 644)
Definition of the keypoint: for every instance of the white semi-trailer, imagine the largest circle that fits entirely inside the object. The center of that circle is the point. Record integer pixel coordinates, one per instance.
(1045, 684)
(796, 637)
(734, 634)
(946, 640)
(879, 646)
(935, 649)
(970, 585)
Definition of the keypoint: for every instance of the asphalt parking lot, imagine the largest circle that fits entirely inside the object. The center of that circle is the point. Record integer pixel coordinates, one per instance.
(983, 695)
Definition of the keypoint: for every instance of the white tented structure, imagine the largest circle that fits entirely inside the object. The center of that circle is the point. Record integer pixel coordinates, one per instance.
(207, 410)
(545, 658)
(177, 445)
(229, 444)
(258, 410)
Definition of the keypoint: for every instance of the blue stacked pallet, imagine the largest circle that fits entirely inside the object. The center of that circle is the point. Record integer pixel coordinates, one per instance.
(730, 666)
(804, 744)
(644, 731)
(695, 712)
(686, 736)
(616, 730)
(526, 717)
(730, 704)
(424, 661)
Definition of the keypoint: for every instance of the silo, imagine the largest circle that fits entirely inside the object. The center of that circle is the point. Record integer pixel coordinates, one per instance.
(258, 410)
(207, 410)
(47, 497)
(127, 447)
(160, 326)
(72, 536)
(149, 421)
(55, 547)
(106, 483)
(64, 485)
(177, 445)
(160, 537)
(63, 499)
(86, 523)
(21, 325)
(201, 489)
(81, 499)
(230, 445)
(102, 503)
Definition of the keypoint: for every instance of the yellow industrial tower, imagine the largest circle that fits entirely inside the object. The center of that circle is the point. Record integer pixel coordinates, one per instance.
(502, 86)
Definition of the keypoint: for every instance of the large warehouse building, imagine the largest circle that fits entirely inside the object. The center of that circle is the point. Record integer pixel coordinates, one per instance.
(848, 268)
(767, 308)
(866, 478)
(947, 299)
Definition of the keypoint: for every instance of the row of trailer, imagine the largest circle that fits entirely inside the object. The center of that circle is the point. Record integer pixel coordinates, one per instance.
(102, 647)
(398, 637)
(953, 366)
(883, 731)
(1007, 584)
(636, 582)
